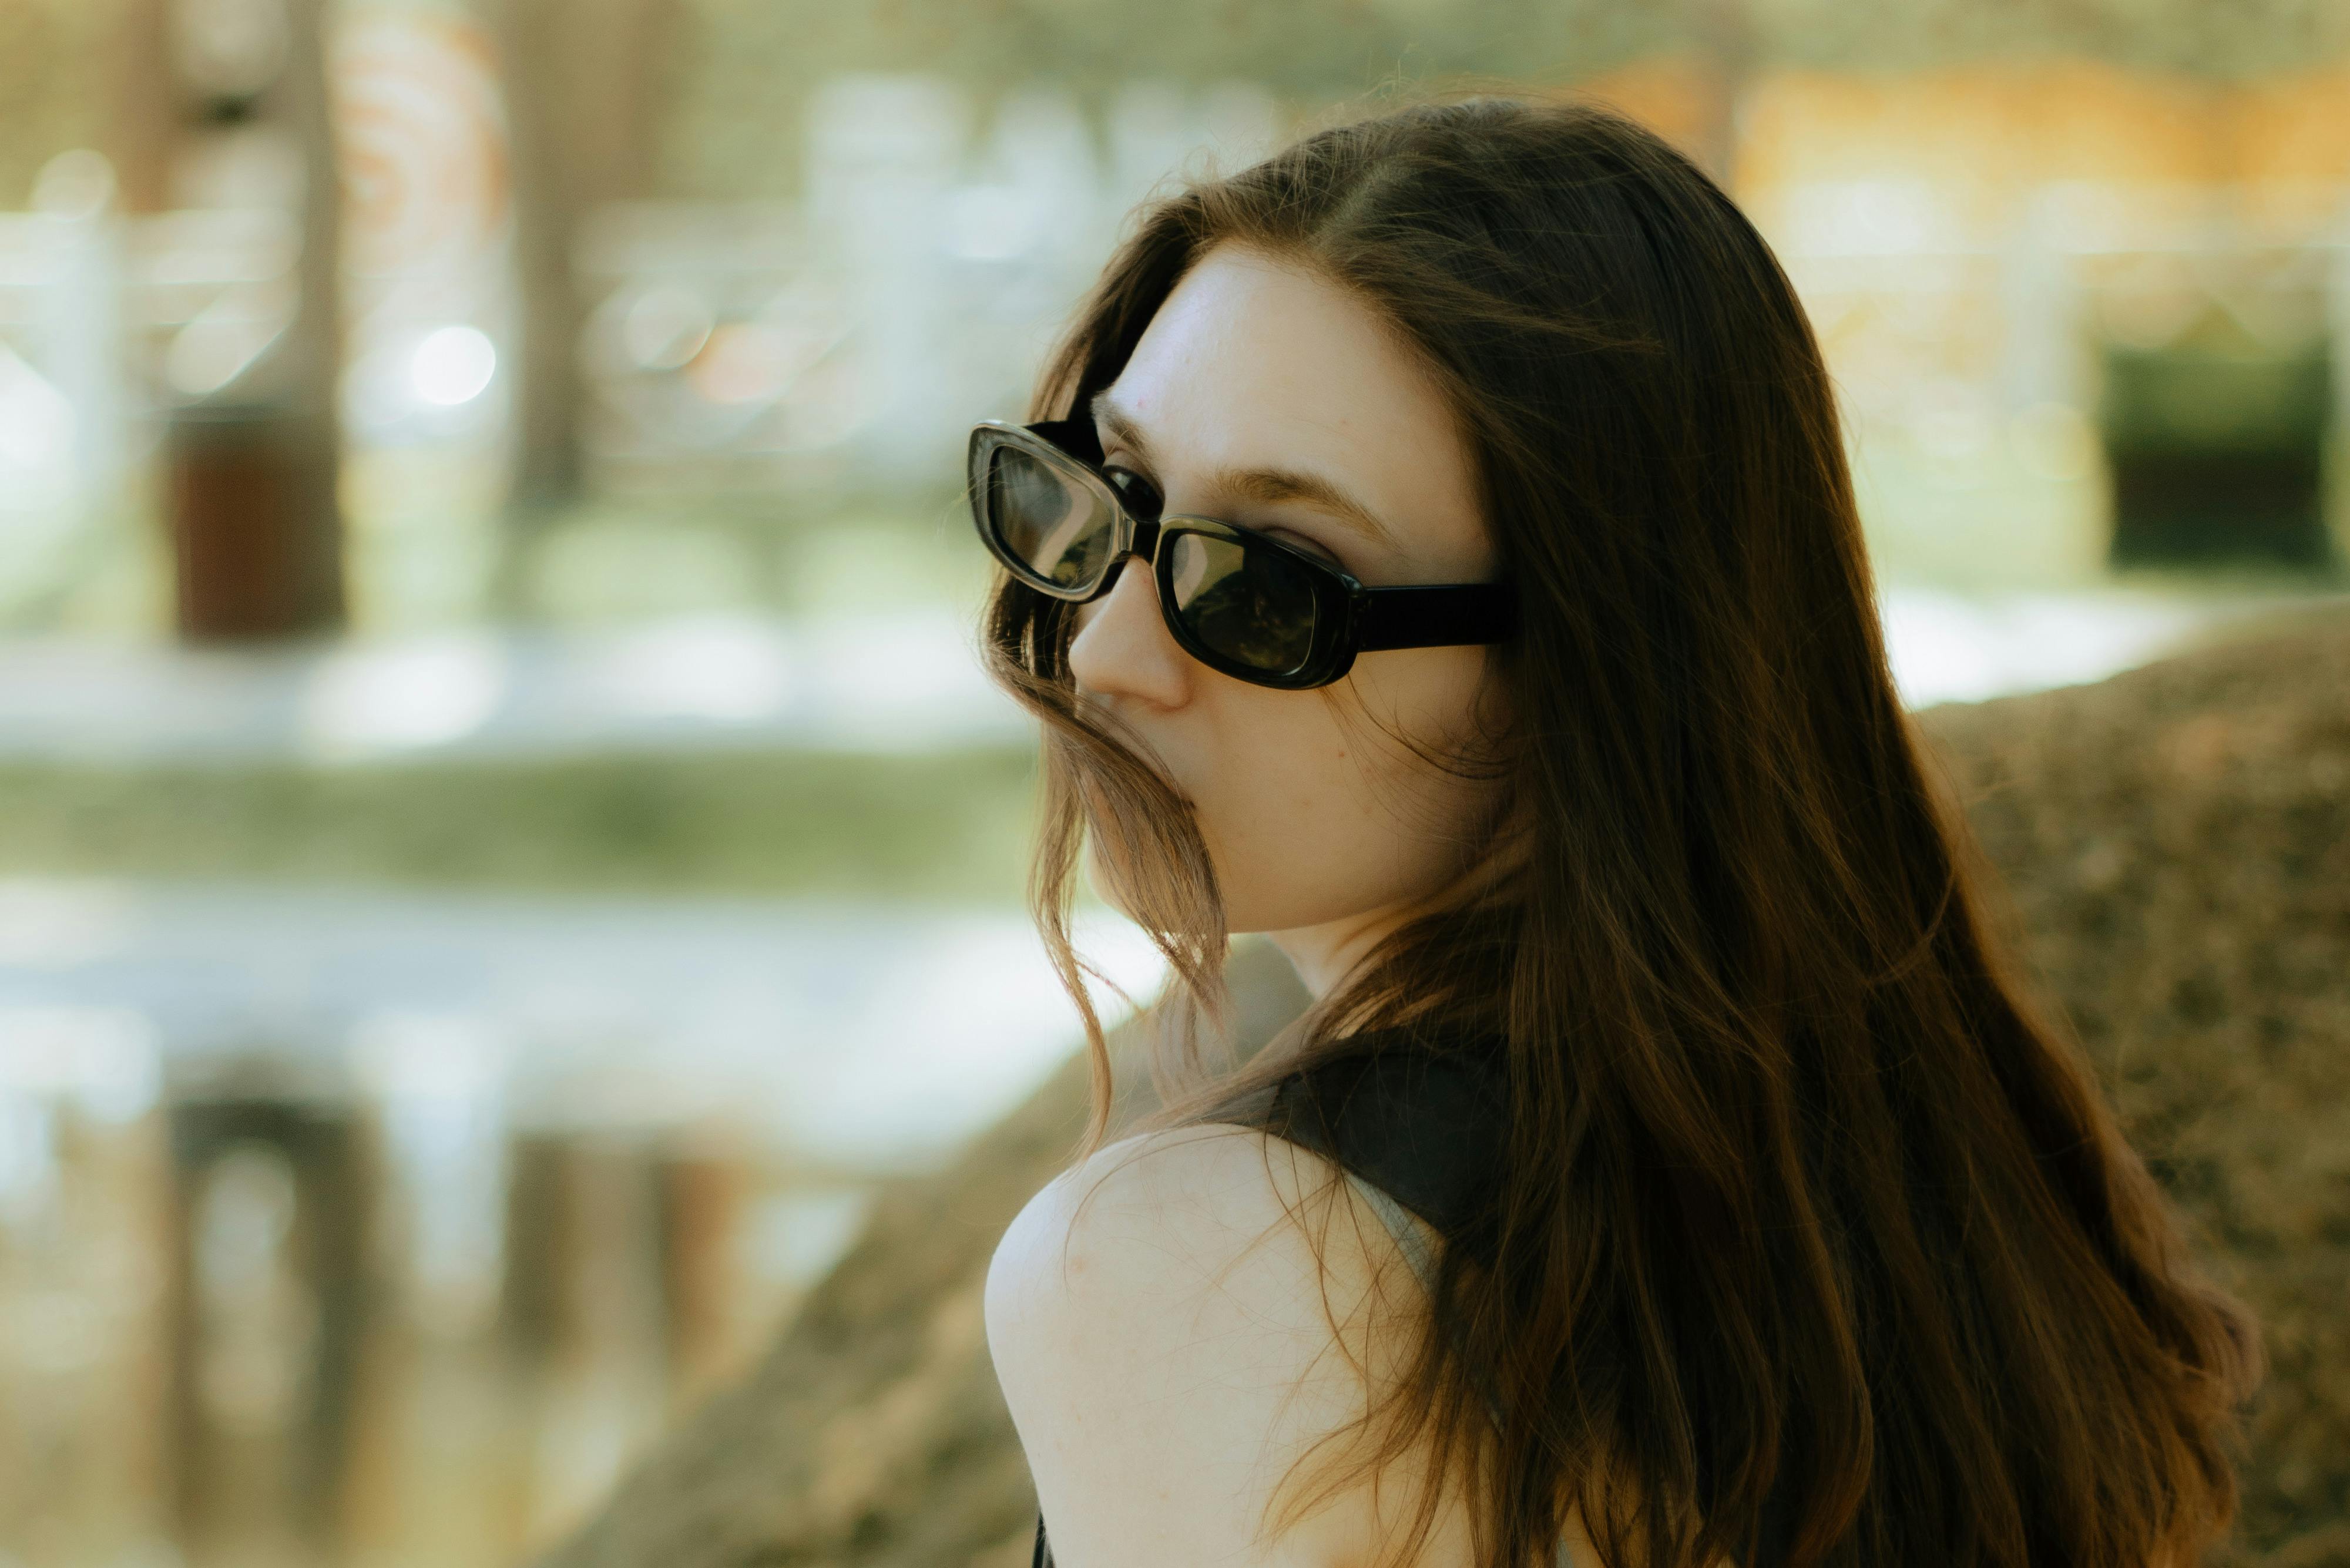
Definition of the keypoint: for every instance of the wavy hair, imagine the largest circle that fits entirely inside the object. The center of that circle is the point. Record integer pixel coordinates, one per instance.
(1815, 1242)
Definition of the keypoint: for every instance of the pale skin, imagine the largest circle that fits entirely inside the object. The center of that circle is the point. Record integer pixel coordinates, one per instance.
(1168, 1349)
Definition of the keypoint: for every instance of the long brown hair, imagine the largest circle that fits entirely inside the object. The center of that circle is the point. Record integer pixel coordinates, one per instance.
(1815, 1244)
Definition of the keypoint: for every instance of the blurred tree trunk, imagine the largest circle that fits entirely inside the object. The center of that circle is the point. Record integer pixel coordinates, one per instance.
(256, 521)
(147, 108)
(584, 91)
(1725, 50)
(315, 342)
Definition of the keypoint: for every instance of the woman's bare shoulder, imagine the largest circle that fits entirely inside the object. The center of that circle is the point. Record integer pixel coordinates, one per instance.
(1186, 1193)
(1174, 1322)
(1151, 1229)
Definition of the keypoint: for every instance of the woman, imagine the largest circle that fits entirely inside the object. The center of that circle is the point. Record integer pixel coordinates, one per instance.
(1438, 554)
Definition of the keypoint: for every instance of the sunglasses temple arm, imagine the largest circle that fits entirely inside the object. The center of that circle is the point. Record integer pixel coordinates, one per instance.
(1434, 616)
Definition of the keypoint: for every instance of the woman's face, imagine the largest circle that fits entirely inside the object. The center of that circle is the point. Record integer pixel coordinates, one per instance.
(1263, 395)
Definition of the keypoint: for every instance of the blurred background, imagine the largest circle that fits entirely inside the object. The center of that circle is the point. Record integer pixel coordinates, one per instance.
(503, 843)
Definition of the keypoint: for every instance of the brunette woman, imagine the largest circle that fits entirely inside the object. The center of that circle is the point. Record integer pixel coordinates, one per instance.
(1434, 548)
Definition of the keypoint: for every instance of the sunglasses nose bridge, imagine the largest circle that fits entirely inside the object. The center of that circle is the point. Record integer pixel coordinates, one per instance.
(1135, 536)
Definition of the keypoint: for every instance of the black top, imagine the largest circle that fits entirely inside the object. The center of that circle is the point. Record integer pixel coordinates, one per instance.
(1424, 1125)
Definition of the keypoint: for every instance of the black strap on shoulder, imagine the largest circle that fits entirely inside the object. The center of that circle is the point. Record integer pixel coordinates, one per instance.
(1428, 1125)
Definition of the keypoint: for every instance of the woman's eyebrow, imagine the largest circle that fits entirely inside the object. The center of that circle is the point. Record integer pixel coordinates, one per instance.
(1272, 486)
(1269, 486)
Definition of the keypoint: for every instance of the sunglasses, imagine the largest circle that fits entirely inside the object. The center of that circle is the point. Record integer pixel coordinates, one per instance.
(1241, 602)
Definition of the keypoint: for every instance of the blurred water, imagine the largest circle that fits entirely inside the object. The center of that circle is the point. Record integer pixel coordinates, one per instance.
(871, 1038)
(445, 1203)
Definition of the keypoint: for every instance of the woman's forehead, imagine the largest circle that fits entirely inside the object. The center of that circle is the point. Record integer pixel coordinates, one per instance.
(1255, 365)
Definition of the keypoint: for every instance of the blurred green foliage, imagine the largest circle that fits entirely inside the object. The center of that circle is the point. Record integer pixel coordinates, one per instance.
(946, 827)
(736, 73)
(741, 70)
(2216, 398)
(2217, 445)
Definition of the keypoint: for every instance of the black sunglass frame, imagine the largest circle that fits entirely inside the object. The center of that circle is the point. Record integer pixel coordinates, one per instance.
(1349, 618)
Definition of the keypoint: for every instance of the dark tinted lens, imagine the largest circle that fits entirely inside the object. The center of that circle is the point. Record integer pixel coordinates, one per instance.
(1251, 604)
(1060, 530)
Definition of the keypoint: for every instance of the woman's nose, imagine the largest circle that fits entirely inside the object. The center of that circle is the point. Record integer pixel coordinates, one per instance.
(1122, 648)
